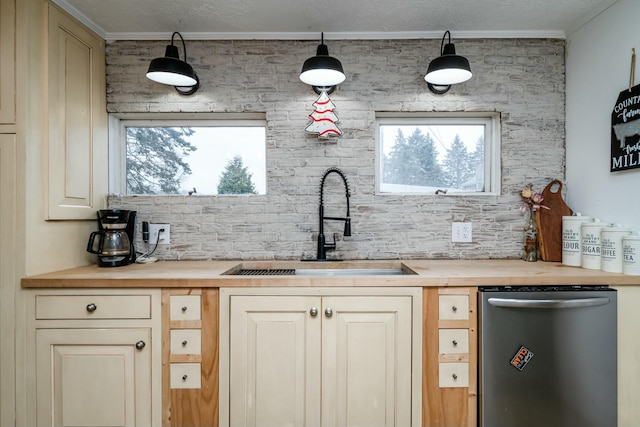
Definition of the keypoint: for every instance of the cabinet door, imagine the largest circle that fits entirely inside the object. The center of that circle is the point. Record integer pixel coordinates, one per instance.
(366, 361)
(93, 377)
(77, 120)
(274, 361)
(7, 62)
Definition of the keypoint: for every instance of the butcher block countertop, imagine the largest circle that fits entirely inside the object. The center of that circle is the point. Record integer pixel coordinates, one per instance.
(194, 274)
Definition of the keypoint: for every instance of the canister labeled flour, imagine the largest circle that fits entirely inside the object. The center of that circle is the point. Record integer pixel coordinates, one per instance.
(590, 243)
(611, 248)
(571, 236)
(631, 255)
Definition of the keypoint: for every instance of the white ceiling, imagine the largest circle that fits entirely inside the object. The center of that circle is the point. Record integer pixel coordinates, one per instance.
(338, 19)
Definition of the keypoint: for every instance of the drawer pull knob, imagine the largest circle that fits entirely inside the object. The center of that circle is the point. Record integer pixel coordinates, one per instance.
(140, 345)
(454, 308)
(328, 312)
(314, 311)
(184, 308)
(454, 376)
(184, 377)
(91, 307)
(454, 342)
(184, 343)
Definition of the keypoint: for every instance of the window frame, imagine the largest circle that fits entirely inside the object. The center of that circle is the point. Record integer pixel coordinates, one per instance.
(117, 139)
(492, 143)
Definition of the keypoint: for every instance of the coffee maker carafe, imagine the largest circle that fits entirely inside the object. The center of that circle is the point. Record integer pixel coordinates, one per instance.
(113, 242)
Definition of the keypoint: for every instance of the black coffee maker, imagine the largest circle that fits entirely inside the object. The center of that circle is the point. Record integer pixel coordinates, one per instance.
(113, 242)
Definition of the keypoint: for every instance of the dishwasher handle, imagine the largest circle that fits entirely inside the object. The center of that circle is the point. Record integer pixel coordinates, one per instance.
(549, 303)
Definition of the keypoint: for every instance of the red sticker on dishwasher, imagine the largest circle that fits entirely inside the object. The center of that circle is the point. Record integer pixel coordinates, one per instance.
(522, 357)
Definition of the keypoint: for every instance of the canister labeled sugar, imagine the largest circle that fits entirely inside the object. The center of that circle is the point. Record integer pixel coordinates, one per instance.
(611, 248)
(590, 243)
(571, 236)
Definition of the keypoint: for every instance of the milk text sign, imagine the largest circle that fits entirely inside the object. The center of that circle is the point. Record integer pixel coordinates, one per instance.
(625, 131)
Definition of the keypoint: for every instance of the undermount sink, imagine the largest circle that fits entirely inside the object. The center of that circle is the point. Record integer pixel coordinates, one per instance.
(363, 271)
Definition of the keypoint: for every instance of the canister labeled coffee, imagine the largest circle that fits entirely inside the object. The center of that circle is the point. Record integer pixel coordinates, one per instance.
(611, 248)
(571, 236)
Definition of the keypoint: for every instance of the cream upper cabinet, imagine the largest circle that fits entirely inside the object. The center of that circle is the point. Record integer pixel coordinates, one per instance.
(306, 358)
(95, 363)
(77, 171)
(7, 62)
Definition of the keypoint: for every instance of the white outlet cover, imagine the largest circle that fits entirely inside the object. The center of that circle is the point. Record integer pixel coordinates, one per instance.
(461, 232)
(154, 229)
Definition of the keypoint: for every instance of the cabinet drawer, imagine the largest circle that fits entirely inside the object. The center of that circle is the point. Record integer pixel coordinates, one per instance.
(184, 307)
(453, 307)
(185, 375)
(186, 341)
(93, 307)
(453, 375)
(453, 341)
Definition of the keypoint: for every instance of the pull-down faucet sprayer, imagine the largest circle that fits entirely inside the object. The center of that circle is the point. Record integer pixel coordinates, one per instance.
(323, 247)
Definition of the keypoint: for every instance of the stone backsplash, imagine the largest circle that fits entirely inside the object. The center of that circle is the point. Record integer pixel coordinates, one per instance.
(523, 79)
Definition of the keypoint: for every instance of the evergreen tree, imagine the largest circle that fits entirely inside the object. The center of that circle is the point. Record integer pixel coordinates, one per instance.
(155, 162)
(413, 161)
(235, 179)
(457, 164)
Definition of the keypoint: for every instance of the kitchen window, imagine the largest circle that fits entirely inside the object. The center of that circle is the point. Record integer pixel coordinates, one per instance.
(174, 156)
(456, 153)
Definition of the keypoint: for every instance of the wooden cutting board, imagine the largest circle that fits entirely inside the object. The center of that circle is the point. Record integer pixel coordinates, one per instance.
(549, 222)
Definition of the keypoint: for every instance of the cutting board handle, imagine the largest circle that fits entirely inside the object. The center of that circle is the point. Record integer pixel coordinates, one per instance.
(552, 184)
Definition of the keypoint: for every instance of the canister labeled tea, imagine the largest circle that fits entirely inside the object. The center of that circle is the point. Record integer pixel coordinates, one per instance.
(611, 248)
(571, 236)
(590, 244)
(631, 255)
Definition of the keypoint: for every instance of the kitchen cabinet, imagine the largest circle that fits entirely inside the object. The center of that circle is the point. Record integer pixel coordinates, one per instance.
(76, 137)
(96, 357)
(7, 64)
(190, 357)
(628, 350)
(450, 357)
(320, 357)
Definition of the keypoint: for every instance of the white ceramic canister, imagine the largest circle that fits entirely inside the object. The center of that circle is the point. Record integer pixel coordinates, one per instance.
(631, 255)
(571, 237)
(590, 244)
(611, 248)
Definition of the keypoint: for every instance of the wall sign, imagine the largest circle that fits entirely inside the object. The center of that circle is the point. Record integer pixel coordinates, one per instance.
(625, 130)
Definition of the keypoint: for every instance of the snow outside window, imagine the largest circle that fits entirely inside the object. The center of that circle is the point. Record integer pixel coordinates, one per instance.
(457, 153)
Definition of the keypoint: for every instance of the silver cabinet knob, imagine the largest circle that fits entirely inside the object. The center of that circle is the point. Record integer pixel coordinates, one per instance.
(184, 308)
(91, 307)
(184, 343)
(140, 345)
(314, 311)
(328, 312)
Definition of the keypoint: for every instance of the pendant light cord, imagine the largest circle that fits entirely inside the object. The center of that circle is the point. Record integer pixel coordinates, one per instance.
(442, 43)
(632, 73)
(184, 46)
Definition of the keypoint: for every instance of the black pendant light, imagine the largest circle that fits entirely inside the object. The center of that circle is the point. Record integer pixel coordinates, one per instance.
(447, 69)
(322, 71)
(172, 71)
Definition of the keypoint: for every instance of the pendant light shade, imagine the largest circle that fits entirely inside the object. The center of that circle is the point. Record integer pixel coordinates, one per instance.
(447, 69)
(171, 70)
(322, 70)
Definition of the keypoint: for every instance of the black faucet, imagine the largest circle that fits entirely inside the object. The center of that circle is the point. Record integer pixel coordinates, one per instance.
(323, 247)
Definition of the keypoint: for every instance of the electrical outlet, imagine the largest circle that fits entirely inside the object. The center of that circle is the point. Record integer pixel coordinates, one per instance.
(155, 229)
(461, 232)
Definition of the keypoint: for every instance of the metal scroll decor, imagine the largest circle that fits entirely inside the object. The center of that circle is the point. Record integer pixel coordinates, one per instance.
(323, 119)
(625, 126)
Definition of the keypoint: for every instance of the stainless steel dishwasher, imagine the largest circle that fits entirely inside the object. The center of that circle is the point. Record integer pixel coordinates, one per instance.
(547, 356)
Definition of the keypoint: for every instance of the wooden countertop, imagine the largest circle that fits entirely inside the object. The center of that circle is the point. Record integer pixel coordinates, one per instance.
(176, 274)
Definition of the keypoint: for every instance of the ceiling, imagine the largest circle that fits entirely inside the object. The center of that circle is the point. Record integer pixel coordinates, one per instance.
(338, 19)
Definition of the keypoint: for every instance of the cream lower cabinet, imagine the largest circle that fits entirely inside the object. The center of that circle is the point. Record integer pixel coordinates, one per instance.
(325, 358)
(96, 358)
